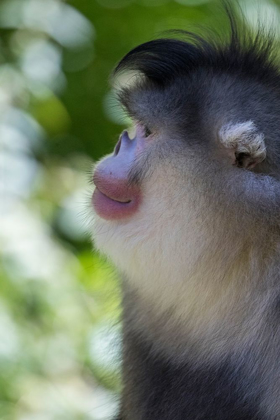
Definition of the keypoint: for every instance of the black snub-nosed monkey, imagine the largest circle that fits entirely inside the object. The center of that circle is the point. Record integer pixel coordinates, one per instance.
(189, 212)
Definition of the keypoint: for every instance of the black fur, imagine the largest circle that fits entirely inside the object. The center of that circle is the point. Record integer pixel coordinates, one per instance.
(164, 60)
(159, 389)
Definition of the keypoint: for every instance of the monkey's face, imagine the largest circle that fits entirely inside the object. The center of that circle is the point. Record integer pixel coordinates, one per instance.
(159, 203)
(143, 203)
(163, 199)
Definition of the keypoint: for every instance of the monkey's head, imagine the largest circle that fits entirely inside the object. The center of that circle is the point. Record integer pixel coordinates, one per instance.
(206, 120)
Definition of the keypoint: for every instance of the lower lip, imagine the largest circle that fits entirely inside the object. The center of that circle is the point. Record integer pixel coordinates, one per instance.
(109, 209)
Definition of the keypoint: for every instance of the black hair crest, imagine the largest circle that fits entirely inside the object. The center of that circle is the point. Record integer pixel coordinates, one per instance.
(243, 54)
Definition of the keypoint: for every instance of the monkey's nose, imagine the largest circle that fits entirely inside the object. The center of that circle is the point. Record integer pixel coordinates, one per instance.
(123, 143)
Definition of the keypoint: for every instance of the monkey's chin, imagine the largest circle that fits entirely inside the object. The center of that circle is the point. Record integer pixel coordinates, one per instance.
(109, 209)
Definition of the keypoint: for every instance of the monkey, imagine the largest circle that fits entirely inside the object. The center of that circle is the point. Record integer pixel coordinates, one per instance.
(188, 210)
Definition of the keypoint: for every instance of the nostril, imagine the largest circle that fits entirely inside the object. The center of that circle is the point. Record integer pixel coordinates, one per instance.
(118, 146)
(124, 141)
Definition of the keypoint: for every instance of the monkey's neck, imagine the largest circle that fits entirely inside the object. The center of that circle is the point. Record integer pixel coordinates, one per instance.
(216, 307)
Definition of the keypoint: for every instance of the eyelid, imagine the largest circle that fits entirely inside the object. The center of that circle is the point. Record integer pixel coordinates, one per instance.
(143, 129)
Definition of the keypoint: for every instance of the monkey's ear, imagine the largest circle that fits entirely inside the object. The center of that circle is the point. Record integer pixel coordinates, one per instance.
(243, 144)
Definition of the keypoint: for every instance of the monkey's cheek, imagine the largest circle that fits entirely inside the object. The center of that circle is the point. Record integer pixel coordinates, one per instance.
(110, 209)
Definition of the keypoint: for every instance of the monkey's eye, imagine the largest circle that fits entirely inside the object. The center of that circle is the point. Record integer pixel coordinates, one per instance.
(147, 131)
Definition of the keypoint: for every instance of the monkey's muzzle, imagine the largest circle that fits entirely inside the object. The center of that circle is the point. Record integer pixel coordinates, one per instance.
(114, 197)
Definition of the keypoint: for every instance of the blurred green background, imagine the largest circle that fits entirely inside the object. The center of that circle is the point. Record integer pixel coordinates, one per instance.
(59, 302)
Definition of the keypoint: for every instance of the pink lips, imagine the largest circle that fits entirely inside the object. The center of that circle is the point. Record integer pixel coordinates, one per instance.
(111, 209)
(113, 202)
